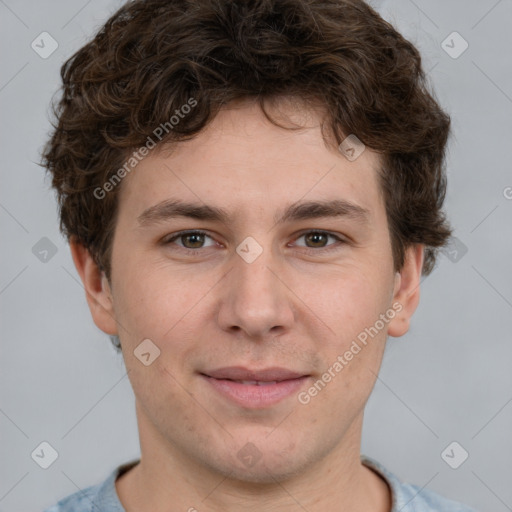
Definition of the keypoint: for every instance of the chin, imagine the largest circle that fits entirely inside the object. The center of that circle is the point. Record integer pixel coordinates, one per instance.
(265, 468)
(261, 474)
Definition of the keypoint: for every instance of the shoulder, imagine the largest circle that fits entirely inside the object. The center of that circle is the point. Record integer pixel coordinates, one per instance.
(412, 498)
(81, 501)
(96, 498)
(416, 499)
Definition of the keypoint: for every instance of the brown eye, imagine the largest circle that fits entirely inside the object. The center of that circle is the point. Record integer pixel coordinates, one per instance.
(317, 239)
(189, 240)
(317, 242)
(194, 240)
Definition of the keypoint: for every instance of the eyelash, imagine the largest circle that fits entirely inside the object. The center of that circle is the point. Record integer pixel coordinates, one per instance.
(307, 250)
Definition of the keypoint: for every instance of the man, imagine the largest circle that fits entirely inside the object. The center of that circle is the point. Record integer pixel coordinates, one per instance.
(251, 191)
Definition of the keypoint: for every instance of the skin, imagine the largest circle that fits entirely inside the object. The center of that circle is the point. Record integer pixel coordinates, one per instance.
(288, 308)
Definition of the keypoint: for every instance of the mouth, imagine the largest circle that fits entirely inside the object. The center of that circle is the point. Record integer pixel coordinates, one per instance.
(254, 382)
(255, 389)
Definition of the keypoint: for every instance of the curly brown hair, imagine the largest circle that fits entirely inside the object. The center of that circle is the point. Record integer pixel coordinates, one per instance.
(152, 56)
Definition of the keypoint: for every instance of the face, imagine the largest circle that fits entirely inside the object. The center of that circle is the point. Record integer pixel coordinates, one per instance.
(268, 287)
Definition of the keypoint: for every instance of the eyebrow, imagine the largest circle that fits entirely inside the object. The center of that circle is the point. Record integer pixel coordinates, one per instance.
(175, 208)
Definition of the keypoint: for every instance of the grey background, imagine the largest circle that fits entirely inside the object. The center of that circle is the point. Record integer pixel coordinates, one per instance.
(447, 380)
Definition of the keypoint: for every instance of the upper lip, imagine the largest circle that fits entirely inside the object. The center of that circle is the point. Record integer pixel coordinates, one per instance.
(265, 375)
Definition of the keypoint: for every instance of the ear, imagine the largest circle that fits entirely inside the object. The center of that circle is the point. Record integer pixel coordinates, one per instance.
(407, 290)
(97, 288)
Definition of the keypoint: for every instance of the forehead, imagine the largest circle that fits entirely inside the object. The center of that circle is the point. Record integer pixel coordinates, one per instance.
(241, 163)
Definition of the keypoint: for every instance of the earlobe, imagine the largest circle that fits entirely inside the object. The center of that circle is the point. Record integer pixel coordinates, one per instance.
(97, 288)
(407, 290)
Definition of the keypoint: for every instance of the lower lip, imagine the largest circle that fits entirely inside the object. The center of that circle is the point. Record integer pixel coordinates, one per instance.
(254, 396)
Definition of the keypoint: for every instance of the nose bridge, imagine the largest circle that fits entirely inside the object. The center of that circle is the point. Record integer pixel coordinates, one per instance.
(254, 299)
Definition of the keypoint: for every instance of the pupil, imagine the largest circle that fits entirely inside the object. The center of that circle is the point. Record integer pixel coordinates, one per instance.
(316, 236)
(197, 237)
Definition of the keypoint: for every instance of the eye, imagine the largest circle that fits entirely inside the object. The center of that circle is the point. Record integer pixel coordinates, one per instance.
(318, 240)
(190, 239)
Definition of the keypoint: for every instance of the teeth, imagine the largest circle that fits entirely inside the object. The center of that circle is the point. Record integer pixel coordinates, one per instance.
(256, 382)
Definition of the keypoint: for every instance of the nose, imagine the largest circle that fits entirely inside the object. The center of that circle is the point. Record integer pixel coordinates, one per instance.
(254, 300)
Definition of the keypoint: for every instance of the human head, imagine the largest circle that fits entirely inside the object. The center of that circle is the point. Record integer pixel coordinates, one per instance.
(344, 68)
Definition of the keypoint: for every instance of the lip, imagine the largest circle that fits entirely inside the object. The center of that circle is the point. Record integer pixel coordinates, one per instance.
(261, 389)
(274, 373)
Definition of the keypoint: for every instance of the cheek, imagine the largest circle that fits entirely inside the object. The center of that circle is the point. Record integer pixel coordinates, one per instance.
(351, 307)
(163, 400)
(152, 302)
(350, 300)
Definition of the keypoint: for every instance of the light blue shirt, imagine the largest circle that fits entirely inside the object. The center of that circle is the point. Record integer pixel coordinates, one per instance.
(405, 497)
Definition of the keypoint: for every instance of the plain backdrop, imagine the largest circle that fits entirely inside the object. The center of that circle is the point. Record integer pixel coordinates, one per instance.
(447, 380)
